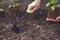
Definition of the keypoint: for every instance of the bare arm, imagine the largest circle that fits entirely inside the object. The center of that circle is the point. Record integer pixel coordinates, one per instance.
(38, 1)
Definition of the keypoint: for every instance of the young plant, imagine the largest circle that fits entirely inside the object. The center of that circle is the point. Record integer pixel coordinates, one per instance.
(14, 3)
(53, 4)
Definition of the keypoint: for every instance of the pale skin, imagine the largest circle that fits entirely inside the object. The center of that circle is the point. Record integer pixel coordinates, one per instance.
(35, 6)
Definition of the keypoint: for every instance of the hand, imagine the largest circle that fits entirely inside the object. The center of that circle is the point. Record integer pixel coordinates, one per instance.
(33, 6)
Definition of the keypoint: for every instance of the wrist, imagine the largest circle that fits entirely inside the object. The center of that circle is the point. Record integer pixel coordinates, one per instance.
(38, 1)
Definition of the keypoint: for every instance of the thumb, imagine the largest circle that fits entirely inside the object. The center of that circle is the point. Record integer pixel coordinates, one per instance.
(30, 7)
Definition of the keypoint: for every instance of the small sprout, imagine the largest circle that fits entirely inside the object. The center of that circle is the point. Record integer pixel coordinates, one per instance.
(29, 11)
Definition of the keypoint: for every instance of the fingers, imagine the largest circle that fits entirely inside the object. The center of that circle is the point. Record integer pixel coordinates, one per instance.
(30, 7)
(33, 8)
(58, 18)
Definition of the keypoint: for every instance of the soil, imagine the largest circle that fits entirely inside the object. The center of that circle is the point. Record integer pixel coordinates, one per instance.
(2, 14)
(31, 27)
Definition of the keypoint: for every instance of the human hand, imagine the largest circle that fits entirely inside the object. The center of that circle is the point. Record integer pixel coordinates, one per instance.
(33, 7)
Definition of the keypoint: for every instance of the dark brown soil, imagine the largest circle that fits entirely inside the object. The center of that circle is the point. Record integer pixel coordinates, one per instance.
(31, 27)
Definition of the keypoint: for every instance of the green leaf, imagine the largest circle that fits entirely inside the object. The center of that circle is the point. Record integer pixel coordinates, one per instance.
(11, 6)
(17, 4)
(53, 7)
(58, 6)
(1, 9)
(52, 1)
(53, 4)
(48, 5)
(57, 1)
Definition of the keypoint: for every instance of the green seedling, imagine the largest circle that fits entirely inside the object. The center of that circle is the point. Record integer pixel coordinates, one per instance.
(53, 4)
(29, 11)
(14, 3)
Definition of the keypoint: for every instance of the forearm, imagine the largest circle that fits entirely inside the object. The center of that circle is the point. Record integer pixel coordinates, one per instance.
(38, 1)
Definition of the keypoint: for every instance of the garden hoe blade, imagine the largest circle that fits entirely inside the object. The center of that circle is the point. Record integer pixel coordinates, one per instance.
(15, 28)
